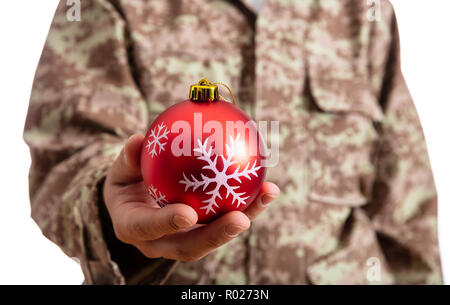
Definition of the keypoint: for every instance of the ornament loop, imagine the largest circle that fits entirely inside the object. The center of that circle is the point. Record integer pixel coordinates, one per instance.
(204, 82)
(229, 90)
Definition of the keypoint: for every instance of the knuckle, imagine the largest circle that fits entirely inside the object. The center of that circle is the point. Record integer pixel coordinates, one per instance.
(213, 242)
(187, 256)
(137, 228)
(157, 230)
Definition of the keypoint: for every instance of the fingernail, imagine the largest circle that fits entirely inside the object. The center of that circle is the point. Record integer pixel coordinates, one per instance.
(233, 230)
(181, 222)
(267, 198)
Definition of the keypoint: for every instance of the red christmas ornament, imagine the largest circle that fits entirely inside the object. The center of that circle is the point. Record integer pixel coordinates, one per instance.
(204, 152)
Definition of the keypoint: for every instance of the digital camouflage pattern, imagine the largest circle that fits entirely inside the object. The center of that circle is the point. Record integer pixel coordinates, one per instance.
(357, 192)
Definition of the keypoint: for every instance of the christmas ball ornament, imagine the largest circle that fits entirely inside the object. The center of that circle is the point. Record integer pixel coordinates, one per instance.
(204, 152)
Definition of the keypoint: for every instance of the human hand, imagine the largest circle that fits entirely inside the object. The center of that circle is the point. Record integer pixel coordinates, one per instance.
(170, 232)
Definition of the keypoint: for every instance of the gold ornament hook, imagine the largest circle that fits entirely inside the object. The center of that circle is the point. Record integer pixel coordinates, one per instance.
(205, 90)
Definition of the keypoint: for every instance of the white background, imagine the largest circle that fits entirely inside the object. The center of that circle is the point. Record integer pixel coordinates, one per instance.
(26, 257)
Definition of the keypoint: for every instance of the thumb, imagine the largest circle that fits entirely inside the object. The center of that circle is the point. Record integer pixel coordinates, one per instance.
(126, 168)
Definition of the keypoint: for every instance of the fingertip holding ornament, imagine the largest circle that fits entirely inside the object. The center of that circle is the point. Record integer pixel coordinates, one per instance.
(204, 152)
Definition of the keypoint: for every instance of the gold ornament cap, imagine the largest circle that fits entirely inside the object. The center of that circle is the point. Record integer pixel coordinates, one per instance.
(203, 91)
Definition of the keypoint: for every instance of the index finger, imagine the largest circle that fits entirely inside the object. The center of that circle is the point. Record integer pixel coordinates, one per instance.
(195, 244)
(138, 221)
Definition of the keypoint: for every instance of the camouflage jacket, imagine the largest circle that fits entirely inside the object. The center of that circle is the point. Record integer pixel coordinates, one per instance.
(358, 203)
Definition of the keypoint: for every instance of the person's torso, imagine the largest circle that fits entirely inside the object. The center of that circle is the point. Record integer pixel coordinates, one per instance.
(306, 66)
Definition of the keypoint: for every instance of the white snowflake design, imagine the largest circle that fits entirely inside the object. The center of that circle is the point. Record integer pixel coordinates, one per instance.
(155, 140)
(158, 196)
(221, 178)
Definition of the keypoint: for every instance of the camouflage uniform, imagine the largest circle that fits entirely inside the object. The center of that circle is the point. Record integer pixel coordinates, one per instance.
(355, 179)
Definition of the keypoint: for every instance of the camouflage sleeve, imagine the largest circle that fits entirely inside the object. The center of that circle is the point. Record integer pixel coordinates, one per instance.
(84, 104)
(404, 206)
